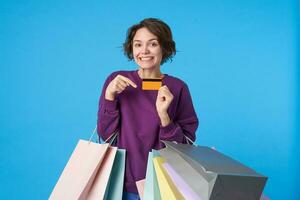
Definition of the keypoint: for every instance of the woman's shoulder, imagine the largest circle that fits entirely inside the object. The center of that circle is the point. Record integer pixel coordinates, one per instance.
(175, 81)
(121, 72)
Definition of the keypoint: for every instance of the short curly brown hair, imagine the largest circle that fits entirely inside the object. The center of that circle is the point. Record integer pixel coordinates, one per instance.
(158, 28)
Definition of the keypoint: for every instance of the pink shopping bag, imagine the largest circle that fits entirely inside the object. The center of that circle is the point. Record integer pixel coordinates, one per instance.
(78, 175)
(100, 183)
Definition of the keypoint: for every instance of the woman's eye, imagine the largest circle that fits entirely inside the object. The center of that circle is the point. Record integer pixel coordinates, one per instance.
(137, 44)
(154, 44)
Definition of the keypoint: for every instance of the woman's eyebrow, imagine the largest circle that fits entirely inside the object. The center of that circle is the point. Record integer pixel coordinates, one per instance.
(141, 40)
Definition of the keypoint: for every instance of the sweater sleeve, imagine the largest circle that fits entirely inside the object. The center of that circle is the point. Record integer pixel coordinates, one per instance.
(185, 122)
(108, 113)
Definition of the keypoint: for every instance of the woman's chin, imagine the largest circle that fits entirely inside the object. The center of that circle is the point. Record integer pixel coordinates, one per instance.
(147, 66)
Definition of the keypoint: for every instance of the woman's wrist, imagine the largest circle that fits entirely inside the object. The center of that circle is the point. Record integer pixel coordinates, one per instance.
(164, 119)
(109, 96)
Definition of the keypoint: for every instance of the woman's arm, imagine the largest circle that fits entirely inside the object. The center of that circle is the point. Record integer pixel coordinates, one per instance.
(108, 113)
(185, 122)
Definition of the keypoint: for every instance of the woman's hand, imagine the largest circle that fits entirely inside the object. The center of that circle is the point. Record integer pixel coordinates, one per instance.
(117, 85)
(163, 101)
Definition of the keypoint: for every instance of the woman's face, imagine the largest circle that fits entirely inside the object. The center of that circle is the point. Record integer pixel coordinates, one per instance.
(146, 50)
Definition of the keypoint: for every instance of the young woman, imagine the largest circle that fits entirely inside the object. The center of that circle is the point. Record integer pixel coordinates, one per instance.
(143, 118)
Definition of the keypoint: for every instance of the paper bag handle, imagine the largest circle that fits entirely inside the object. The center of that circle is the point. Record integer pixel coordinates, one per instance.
(111, 138)
(188, 140)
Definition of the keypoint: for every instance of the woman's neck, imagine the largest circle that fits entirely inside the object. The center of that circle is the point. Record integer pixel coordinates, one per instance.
(149, 73)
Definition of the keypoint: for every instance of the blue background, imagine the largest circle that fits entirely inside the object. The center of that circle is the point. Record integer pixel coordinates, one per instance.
(239, 59)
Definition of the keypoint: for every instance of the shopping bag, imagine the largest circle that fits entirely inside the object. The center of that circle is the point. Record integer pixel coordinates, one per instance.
(100, 183)
(151, 190)
(140, 185)
(168, 190)
(180, 184)
(94, 171)
(80, 171)
(116, 181)
(109, 180)
(212, 175)
(186, 171)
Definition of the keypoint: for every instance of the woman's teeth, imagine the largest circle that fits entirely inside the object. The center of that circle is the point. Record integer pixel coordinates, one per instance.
(146, 58)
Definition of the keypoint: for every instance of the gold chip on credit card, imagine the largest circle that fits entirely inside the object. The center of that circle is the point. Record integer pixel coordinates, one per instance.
(151, 83)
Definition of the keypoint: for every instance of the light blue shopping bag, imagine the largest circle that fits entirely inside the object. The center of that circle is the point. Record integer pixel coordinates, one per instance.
(116, 180)
(151, 191)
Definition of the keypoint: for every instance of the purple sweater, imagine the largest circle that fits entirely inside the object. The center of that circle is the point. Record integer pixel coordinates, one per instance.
(133, 113)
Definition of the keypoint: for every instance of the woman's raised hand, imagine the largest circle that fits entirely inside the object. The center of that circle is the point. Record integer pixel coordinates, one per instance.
(163, 101)
(117, 85)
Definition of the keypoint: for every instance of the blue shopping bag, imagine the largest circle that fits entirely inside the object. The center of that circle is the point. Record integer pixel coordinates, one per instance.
(151, 191)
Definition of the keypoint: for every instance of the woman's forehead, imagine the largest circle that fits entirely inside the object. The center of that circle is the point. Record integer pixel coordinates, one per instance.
(143, 34)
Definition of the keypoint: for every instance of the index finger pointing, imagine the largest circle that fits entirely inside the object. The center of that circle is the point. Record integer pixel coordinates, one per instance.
(130, 82)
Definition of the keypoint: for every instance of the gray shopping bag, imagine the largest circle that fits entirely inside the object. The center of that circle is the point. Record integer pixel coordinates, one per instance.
(213, 175)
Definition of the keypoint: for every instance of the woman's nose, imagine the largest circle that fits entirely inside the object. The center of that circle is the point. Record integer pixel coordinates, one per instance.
(145, 49)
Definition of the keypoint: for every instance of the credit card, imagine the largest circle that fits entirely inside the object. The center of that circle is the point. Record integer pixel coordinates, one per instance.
(151, 83)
